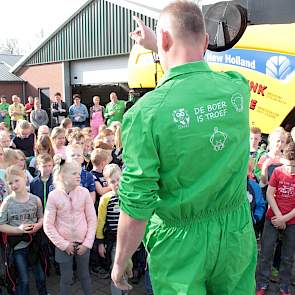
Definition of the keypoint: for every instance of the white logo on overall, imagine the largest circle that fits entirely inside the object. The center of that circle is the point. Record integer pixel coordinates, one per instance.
(218, 140)
(181, 118)
(237, 101)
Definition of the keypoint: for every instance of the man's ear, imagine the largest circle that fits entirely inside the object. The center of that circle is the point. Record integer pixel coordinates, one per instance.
(165, 40)
(206, 42)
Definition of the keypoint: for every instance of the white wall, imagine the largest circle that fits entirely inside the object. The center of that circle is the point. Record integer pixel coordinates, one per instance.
(100, 70)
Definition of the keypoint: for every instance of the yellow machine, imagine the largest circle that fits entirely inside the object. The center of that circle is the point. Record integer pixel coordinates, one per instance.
(265, 55)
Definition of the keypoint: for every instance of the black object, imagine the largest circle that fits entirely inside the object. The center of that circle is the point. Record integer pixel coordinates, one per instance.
(225, 23)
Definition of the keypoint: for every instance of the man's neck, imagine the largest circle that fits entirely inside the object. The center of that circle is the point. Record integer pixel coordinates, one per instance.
(181, 55)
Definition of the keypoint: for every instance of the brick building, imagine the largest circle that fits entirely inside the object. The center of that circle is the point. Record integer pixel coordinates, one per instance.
(10, 84)
(88, 54)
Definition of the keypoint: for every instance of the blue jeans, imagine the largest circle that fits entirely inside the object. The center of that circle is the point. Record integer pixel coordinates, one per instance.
(22, 267)
(268, 243)
(147, 283)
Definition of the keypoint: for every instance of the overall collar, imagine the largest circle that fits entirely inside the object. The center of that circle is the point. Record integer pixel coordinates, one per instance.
(197, 66)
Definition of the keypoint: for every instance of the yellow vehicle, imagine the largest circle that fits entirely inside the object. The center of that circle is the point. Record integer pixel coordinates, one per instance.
(265, 55)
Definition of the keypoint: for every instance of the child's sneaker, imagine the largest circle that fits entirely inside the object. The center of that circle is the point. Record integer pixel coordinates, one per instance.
(285, 290)
(261, 291)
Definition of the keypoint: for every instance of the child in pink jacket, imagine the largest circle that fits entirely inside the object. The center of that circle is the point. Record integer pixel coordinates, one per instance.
(70, 223)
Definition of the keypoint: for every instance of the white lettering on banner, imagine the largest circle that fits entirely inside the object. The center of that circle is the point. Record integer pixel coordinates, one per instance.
(211, 57)
(211, 111)
(238, 61)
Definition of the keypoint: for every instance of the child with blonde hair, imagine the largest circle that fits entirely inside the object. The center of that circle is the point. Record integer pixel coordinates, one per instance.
(76, 137)
(5, 139)
(75, 153)
(87, 149)
(280, 220)
(22, 165)
(21, 217)
(107, 223)
(58, 139)
(25, 138)
(70, 223)
(3, 186)
(100, 158)
(272, 159)
(10, 157)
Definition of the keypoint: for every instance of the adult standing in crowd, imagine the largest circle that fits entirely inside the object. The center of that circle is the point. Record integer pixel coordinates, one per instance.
(114, 109)
(96, 116)
(78, 112)
(16, 111)
(4, 116)
(59, 109)
(185, 171)
(38, 116)
(29, 106)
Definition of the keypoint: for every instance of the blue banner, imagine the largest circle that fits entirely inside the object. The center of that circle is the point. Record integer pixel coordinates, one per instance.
(273, 64)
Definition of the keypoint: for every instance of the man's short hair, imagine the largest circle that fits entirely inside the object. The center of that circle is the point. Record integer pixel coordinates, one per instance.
(186, 18)
(76, 96)
(255, 130)
(57, 94)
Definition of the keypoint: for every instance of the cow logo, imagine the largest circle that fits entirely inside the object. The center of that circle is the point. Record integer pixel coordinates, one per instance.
(181, 118)
(237, 101)
(218, 139)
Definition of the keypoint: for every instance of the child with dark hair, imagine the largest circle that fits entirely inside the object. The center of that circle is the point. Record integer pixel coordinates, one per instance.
(280, 218)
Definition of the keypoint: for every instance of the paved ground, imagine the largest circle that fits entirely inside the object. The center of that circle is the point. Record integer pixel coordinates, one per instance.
(100, 286)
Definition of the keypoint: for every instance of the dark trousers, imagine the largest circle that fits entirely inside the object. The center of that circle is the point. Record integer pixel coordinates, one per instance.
(66, 271)
(79, 124)
(22, 267)
(268, 243)
(13, 124)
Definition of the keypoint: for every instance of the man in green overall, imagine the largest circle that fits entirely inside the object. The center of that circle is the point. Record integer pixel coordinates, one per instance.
(114, 109)
(186, 147)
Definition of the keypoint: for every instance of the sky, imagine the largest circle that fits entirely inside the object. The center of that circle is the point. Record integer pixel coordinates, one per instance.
(28, 20)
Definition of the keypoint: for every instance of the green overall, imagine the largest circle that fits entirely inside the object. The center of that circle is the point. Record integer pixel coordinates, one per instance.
(6, 119)
(186, 147)
(118, 108)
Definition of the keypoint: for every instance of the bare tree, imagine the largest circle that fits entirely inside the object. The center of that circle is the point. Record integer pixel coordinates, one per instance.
(10, 45)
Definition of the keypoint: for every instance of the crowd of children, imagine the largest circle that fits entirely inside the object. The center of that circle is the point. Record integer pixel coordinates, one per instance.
(71, 175)
(272, 175)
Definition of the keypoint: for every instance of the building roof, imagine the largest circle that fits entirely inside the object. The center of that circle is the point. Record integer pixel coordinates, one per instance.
(10, 59)
(6, 76)
(99, 28)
